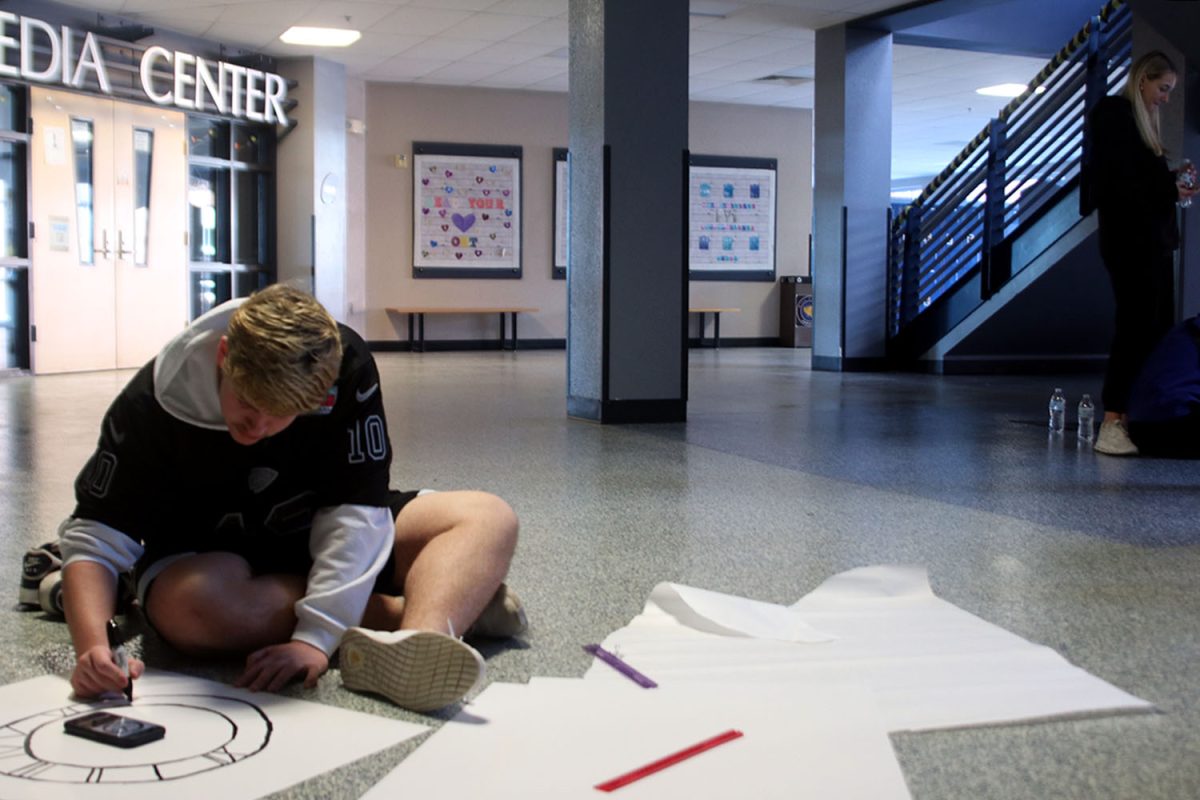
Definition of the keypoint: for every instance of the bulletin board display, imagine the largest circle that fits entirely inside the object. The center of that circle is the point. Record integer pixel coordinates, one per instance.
(562, 208)
(466, 210)
(731, 218)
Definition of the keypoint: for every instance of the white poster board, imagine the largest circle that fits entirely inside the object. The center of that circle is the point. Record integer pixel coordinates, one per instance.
(466, 211)
(731, 218)
(220, 741)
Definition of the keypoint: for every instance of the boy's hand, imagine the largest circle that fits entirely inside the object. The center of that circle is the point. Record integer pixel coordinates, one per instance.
(271, 668)
(96, 673)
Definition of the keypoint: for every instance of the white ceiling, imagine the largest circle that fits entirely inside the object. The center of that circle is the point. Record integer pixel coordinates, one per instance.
(522, 44)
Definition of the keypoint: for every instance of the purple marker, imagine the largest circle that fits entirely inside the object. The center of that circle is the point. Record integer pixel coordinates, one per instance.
(620, 666)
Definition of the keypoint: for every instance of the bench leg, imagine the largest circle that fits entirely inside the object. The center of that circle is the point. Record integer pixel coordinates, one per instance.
(514, 327)
(716, 330)
(421, 329)
(503, 333)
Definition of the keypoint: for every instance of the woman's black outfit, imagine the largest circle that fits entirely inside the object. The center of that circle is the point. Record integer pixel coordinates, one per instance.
(1134, 193)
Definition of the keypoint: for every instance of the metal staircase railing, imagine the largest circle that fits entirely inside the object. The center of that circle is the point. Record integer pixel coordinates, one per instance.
(959, 229)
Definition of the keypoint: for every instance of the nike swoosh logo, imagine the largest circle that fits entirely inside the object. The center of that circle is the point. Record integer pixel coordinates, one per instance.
(362, 397)
(116, 435)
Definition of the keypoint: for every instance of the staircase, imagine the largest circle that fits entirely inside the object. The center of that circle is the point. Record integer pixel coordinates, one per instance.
(995, 264)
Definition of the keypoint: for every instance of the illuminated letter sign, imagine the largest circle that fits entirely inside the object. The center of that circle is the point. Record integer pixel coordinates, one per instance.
(168, 77)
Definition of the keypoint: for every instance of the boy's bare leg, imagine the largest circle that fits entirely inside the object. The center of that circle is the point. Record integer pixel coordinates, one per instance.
(211, 603)
(452, 551)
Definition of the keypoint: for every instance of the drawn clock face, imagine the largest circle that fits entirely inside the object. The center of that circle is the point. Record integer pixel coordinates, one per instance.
(210, 732)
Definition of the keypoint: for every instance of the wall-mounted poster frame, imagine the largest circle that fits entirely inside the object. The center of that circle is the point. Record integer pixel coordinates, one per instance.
(466, 210)
(562, 177)
(731, 218)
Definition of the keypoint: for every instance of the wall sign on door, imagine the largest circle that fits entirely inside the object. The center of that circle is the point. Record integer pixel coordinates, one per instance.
(60, 234)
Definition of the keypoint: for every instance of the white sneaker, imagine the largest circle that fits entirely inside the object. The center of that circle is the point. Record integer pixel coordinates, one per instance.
(1114, 440)
(417, 670)
(502, 618)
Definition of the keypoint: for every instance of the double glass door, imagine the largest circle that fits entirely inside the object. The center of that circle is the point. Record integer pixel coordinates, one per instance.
(108, 261)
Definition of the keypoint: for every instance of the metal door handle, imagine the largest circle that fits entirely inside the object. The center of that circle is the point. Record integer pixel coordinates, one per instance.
(121, 251)
(104, 240)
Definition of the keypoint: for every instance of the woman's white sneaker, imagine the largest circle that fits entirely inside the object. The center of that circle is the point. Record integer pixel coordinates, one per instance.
(1114, 439)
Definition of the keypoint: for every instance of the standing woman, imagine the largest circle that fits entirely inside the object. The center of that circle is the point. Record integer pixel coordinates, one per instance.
(1135, 195)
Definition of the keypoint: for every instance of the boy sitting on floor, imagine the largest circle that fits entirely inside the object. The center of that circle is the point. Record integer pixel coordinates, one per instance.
(242, 476)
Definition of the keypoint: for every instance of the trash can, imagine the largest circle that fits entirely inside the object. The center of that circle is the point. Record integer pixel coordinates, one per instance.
(795, 311)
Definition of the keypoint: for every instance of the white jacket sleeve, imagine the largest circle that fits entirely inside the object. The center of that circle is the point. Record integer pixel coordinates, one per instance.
(88, 540)
(349, 545)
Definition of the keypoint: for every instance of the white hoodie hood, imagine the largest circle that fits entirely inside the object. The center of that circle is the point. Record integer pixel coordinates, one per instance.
(185, 372)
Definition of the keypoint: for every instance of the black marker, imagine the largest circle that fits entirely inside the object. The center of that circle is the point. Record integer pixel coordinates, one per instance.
(120, 656)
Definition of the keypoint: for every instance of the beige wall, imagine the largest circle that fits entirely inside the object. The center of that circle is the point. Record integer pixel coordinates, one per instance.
(399, 114)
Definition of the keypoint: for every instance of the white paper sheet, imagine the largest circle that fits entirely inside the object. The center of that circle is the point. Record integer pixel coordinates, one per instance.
(557, 738)
(729, 615)
(221, 742)
(930, 664)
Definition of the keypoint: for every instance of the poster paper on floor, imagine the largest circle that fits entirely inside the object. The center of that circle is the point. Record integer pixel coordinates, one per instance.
(220, 742)
(558, 738)
(930, 664)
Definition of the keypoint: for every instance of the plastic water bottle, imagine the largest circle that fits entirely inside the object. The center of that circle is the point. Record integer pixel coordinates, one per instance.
(1058, 411)
(1087, 419)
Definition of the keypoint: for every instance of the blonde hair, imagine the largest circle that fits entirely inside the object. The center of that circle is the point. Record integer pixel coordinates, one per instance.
(284, 351)
(1149, 67)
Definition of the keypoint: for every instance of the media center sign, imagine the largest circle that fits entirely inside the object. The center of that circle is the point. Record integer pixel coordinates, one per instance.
(167, 77)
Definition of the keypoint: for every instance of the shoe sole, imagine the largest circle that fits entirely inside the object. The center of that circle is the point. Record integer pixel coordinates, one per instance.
(1109, 450)
(422, 672)
(28, 595)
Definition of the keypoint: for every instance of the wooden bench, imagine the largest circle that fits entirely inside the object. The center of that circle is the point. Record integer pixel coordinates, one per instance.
(418, 313)
(716, 312)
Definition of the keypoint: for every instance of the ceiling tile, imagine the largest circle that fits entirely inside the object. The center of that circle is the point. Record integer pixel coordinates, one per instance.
(533, 8)
(740, 71)
(749, 47)
(405, 69)
(139, 6)
(461, 72)
(696, 85)
(456, 5)
(492, 27)
(361, 16)
(253, 36)
(510, 53)
(528, 73)
(701, 65)
(444, 48)
(552, 31)
(419, 21)
(278, 13)
(700, 41)
(730, 91)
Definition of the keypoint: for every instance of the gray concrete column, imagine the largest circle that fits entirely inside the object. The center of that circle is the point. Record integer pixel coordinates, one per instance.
(627, 271)
(852, 179)
(310, 179)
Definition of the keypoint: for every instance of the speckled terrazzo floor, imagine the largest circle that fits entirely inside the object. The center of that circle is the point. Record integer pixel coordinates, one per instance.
(781, 477)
